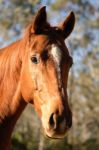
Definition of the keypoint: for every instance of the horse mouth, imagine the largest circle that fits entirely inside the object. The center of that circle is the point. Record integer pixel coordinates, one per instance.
(58, 134)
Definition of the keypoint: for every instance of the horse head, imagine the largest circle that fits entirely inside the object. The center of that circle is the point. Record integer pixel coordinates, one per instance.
(45, 67)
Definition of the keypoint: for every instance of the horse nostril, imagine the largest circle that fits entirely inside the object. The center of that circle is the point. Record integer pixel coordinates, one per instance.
(51, 120)
(55, 120)
(69, 123)
(60, 119)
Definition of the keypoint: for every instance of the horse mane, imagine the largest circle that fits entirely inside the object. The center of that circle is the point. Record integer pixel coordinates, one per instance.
(10, 57)
(9, 68)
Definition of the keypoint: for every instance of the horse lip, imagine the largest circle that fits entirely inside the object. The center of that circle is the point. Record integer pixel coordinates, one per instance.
(54, 137)
(55, 134)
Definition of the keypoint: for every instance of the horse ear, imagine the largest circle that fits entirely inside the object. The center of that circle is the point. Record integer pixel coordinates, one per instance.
(40, 20)
(67, 25)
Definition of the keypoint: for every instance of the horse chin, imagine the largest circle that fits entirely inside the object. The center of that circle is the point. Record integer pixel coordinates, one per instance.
(56, 134)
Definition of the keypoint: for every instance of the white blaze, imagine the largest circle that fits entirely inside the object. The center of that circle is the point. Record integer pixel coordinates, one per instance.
(57, 56)
(56, 53)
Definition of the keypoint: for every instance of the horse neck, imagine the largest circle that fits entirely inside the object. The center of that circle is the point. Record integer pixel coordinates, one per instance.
(11, 101)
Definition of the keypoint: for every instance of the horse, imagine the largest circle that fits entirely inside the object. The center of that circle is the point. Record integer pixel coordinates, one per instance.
(35, 70)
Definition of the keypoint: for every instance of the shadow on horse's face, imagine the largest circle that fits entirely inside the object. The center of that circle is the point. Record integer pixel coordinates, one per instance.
(45, 71)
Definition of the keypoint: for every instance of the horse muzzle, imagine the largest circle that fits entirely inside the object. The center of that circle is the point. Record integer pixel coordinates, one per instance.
(57, 126)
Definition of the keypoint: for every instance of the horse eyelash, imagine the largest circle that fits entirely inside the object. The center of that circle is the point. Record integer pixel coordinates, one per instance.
(35, 59)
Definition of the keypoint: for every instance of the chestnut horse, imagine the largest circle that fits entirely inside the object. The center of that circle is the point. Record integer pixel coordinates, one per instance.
(35, 70)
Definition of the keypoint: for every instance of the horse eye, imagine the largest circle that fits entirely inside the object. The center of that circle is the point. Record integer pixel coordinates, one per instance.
(34, 59)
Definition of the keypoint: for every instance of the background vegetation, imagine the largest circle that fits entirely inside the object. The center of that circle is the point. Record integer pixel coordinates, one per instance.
(83, 86)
